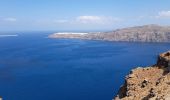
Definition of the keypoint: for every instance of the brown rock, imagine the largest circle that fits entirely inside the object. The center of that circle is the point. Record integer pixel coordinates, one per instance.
(151, 83)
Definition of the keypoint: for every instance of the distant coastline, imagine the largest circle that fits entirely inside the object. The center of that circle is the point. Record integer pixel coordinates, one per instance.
(146, 33)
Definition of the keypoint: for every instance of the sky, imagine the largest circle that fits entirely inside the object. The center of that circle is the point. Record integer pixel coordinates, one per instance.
(81, 15)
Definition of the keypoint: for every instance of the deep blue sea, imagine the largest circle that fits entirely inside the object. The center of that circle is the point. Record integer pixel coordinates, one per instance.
(33, 67)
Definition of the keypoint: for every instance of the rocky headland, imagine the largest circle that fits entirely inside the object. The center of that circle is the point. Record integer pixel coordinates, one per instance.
(146, 33)
(149, 83)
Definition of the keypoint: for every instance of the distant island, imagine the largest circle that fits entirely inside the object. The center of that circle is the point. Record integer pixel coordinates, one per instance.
(146, 33)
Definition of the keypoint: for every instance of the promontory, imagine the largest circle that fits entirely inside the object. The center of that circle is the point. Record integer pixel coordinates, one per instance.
(149, 83)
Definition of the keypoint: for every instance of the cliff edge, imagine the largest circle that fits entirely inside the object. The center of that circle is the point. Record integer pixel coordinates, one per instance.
(150, 83)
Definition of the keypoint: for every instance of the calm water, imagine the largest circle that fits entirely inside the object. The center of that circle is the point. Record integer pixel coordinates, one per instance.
(33, 67)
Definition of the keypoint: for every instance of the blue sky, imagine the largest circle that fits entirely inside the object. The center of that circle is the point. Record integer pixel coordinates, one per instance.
(81, 15)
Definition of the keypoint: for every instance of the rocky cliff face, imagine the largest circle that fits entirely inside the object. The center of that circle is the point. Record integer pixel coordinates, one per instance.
(147, 33)
(150, 83)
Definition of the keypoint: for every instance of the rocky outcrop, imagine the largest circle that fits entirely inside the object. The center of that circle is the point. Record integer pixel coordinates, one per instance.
(146, 33)
(150, 83)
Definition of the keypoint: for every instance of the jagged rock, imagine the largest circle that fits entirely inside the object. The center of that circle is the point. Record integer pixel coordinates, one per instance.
(151, 83)
(144, 83)
(164, 59)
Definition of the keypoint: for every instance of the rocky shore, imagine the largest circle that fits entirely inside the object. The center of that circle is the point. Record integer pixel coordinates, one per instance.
(146, 33)
(150, 83)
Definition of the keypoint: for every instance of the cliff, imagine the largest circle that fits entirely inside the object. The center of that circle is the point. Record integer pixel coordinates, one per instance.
(150, 83)
(146, 33)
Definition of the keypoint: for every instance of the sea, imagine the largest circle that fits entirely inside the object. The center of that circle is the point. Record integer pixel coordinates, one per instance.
(35, 67)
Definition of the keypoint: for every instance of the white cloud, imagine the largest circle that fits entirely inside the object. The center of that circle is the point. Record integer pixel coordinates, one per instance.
(61, 21)
(10, 19)
(96, 20)
(163, 14)
(88, 19)
(82, 21)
